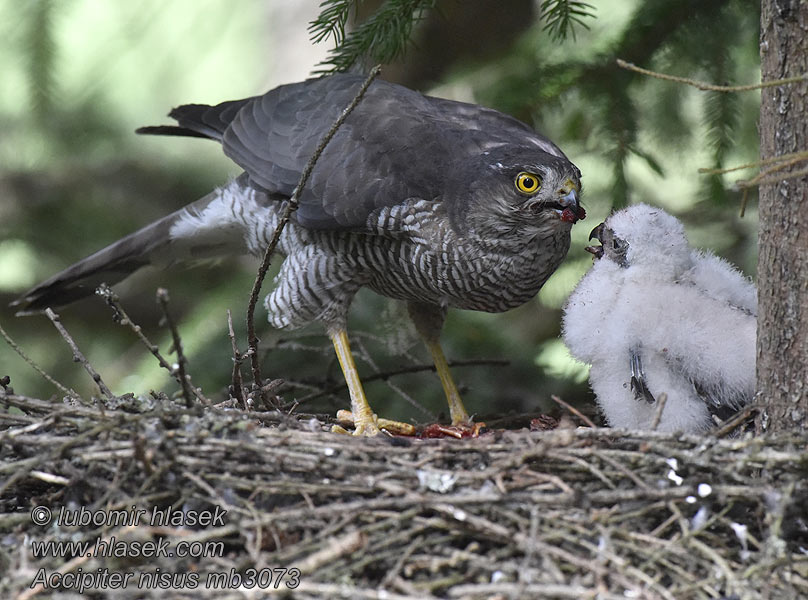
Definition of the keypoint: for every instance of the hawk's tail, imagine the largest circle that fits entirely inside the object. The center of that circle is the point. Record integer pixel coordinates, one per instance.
(198, 231)
(109, 265)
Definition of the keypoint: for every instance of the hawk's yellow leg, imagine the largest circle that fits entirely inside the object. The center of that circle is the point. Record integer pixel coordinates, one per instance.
(364, 420)
(363, 416)
(456, 409)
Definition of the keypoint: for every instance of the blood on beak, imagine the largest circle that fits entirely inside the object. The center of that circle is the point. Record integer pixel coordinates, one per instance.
(573, 211)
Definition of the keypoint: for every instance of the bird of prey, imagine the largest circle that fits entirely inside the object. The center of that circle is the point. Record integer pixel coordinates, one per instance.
(438, 203)
(654, 316)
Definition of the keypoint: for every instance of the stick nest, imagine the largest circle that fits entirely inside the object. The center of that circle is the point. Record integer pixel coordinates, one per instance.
(568, 513)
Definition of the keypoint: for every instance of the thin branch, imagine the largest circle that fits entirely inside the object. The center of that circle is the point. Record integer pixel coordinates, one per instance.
(65, 390)
(735, 420)
(120, 316)
(780, 162)
(236, 380)
(757, 163)
(573, 410)
(662, 400)
(761, 180)
(384, 375)
(336, 548)
(744, 202)
(184, 378)
(252, 339)
(709, 87)
(77, 354)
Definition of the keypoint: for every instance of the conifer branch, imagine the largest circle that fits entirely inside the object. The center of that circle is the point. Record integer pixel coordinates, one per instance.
(381, 38)
(561, 16)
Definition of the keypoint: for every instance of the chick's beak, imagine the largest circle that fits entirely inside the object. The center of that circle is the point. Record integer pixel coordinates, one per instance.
(596, 233)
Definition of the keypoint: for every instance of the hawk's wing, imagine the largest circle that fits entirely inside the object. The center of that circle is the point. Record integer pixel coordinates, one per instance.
(397, 144)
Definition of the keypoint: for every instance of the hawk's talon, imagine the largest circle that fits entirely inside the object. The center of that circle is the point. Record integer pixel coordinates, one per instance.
(346, 417)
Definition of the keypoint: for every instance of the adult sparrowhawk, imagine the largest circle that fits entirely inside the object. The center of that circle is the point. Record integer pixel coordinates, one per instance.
(431, 201)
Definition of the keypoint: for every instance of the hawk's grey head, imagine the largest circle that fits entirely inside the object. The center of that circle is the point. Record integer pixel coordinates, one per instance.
(515, 189)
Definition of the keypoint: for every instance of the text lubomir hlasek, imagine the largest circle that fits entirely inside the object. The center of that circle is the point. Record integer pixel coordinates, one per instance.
(156, 517)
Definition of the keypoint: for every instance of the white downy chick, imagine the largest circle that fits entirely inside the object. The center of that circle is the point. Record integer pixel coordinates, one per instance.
(654, 316)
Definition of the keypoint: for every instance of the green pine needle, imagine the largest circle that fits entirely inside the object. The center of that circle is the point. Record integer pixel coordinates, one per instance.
(561, 17)
(381, 38)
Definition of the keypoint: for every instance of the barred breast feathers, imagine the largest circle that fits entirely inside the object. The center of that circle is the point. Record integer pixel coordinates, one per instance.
(408, 252)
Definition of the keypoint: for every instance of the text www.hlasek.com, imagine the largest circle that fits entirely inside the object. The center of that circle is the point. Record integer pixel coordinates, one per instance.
(127, 549)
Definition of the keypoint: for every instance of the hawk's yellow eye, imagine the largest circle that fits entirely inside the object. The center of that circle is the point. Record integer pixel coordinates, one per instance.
(527, 183)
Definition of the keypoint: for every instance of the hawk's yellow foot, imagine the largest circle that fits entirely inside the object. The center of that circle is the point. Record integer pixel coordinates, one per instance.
(361, 416)
(345, 417)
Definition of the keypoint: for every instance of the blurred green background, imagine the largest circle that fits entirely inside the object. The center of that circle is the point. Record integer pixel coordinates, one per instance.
(78, 76)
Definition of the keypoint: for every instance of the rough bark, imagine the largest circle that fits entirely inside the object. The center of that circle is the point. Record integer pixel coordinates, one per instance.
(782, 347)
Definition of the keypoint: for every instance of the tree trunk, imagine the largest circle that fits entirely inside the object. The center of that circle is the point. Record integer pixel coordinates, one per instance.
(782, 345)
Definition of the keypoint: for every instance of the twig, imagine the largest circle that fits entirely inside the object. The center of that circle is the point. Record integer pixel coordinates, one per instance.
(781, 162)
(184, 378)
(366, 356)
(744, 202)
(291, 206)
(65, 390)
(709, 87)
(662, 400)
(403, 371)
(531, 546)
(336, 548)
(78, 356)
(121, 316)
(238, 391)
(760, 180)
(756, 164)
(763, 179)
(573, 410)
(561, 591)
(735, 420)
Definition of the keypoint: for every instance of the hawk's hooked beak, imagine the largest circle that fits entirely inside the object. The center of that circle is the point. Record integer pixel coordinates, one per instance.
(572, 211)
(596, 233)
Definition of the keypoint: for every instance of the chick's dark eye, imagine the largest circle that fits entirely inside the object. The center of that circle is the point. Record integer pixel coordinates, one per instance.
(527, 183)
